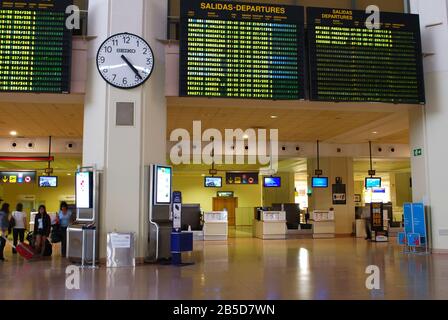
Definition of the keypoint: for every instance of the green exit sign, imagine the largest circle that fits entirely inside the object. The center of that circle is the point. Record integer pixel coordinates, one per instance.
(418, 152)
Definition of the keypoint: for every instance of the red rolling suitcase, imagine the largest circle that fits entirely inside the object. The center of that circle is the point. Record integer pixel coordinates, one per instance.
(23, 249)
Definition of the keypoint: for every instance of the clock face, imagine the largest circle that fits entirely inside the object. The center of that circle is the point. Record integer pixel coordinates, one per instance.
(125, 60)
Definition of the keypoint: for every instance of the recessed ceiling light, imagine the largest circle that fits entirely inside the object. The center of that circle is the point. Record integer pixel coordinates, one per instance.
(13, 133)
(375, 132)
(274, 117)
(69, 174)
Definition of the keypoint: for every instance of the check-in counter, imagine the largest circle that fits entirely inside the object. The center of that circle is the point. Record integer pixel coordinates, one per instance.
(324, 225)
(216, 226)
(271, 226)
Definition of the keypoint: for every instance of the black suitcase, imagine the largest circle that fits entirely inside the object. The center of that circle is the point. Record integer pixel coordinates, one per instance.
(48, 251)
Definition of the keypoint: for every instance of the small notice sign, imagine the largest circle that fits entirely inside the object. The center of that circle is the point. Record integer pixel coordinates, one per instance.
(121, 241)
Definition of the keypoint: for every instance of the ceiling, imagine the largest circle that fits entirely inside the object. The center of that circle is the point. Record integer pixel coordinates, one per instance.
(41, 120)
(296, 121)
(302, 121)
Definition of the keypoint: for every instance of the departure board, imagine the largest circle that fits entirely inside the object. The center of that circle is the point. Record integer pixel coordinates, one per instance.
(241, 50)
(35, 46)
(349, 62)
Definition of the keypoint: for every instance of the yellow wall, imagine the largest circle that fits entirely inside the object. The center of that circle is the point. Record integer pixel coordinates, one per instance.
(285, 194)
(51, 197)
(193, 191)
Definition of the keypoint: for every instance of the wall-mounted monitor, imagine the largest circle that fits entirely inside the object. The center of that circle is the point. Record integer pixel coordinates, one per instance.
(213, 182)
(346, 57)
(241, 50)
(373, 183)
(84, 190)
(272, 182)
(48, 182)
(319, 182)
(162, 185)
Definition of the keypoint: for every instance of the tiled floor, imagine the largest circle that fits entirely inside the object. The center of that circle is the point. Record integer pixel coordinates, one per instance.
(244, 268)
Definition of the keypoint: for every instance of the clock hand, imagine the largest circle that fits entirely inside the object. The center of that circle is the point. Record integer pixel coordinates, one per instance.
(131, 66)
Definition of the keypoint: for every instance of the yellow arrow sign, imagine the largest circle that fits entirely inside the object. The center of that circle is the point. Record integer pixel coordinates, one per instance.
(5, 179)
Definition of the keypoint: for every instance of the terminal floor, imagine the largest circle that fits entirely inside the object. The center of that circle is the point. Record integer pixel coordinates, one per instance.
(244, 268)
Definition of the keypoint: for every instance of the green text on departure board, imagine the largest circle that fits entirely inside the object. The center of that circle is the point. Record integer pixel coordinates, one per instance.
(240, 50)
(349, 62)
(35, 46)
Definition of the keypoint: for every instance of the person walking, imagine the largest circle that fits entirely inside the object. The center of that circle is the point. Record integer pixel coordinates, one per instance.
(19, 227)
(65, 218)
(4, 226)
(42, 229)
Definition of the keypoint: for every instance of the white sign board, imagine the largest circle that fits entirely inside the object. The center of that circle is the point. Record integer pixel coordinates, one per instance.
(120, 241)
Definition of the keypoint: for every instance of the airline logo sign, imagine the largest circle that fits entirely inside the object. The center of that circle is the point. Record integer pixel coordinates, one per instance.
(20, 177)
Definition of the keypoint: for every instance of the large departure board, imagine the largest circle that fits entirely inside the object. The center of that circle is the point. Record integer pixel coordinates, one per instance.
(241, 50)
(35, 46)
(349, 62)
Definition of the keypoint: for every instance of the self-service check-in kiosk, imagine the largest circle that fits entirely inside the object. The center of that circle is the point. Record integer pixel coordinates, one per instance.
(82, 235)
(160, 219)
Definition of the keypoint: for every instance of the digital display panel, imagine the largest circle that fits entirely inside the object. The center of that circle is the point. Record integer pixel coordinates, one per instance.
(35, 46)
(163, 185)
(272, 182)
(349, 62)
(48, 182)
(373, 183)
(319, 182)
(213, 182)
(241, 50)
(84, 190)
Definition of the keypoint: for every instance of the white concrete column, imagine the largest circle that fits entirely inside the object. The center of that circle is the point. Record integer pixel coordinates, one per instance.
(322, 199)
(428, 126)
(122, 152)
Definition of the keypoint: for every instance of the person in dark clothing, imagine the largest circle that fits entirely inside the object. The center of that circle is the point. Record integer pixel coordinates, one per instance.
(42, 229)
(4, 226)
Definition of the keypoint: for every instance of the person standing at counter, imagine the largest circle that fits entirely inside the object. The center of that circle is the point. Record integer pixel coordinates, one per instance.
(18, 231)
(65, 218)
(4, 226)
(42, 229)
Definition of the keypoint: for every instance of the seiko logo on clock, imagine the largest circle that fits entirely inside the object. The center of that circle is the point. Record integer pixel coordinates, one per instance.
(125, 60)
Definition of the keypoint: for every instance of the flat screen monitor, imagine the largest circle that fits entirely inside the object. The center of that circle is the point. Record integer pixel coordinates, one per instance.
(319, 182)
(272, 182)
(373, 183)
(163, 185)
(48, 182)
(213, 182)
(84, 190)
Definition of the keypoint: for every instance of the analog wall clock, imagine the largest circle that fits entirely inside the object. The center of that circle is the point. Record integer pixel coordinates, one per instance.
(125, 61)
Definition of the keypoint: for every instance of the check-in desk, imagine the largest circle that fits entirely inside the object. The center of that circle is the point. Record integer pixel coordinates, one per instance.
(271, 225)
(216, 226)
(324, 225)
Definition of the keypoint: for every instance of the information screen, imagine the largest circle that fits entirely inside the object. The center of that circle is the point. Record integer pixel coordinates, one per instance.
(241, 50)
(272, 182)
(84, 190)
(163, 185)
(319, 182)
(35, 46)
(373, 183)
(213, 182)
(48, 182)
(349, 62)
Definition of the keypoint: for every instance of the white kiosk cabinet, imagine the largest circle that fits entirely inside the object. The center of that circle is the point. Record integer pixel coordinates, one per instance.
(272, 225)
(216, 226)
(324, 225)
